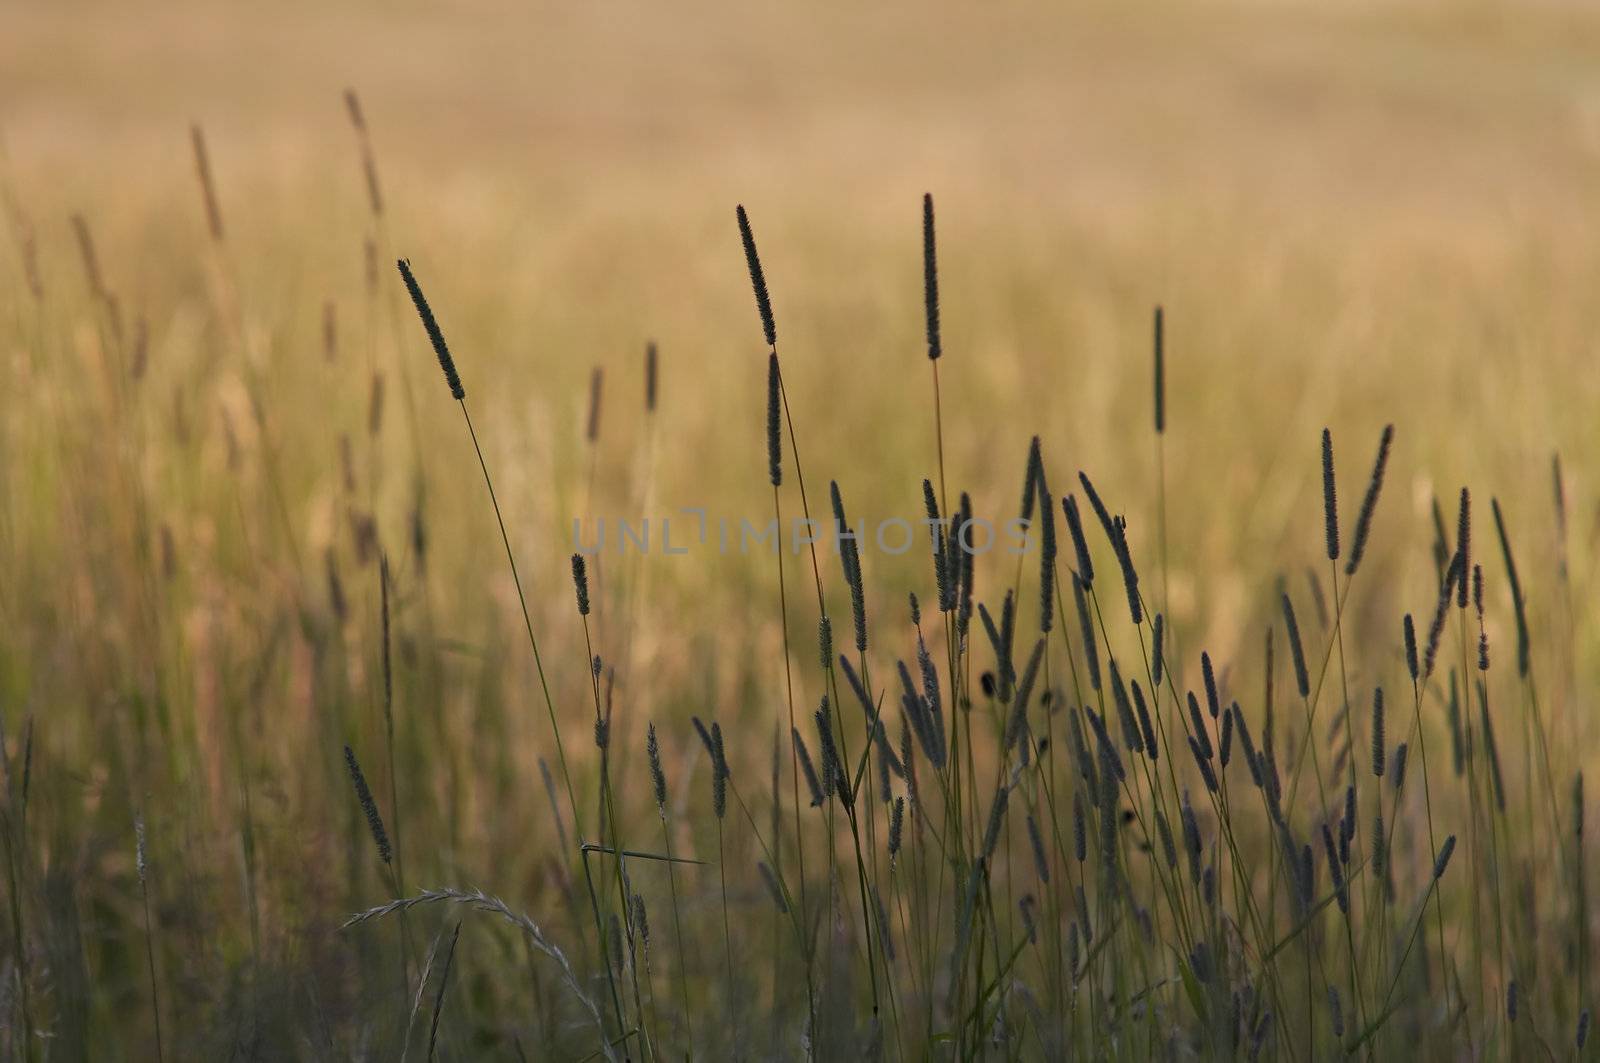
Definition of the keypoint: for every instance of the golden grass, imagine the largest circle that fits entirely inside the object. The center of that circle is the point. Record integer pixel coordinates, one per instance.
(1351, 218)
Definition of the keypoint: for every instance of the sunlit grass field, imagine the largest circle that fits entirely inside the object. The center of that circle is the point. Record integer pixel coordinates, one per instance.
(222, 423)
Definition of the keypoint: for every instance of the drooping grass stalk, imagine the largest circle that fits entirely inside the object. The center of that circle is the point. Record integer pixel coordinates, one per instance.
(453, 380)
(482, 902)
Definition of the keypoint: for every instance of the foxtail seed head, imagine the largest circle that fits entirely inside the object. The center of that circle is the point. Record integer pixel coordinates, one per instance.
(758, 278)
(431, 327)
(930, 278)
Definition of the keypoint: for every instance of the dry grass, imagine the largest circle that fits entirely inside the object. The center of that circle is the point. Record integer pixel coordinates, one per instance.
(1351, 217)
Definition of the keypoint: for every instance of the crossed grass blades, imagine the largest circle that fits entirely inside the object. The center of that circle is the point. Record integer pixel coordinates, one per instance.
(1125, 941)
(1018, 813)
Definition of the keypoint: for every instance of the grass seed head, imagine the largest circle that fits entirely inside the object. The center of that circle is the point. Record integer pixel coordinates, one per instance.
(1369, 503)
(774, 422)
(1330, 503)
(431, 327)
(369, 807)
(580, 583)
(758, 277)
(930, 279)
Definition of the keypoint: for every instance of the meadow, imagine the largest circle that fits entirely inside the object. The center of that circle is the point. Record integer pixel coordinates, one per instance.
(332, 337)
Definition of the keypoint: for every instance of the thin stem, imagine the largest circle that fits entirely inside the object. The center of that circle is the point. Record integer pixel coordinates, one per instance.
(549, 703)
(150, 961)
(794, 756)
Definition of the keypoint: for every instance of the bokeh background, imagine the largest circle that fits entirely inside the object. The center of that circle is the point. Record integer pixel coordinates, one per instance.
(1353, 215)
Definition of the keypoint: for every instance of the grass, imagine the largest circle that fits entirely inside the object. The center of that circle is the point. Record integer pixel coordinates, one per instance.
(1235, 996)
(245, 534)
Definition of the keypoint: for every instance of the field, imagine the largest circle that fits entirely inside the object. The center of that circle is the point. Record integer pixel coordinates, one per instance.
(298, 766)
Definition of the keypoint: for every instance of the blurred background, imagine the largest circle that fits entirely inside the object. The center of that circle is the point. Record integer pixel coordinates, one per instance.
(1374, 214)
(1353, 215)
